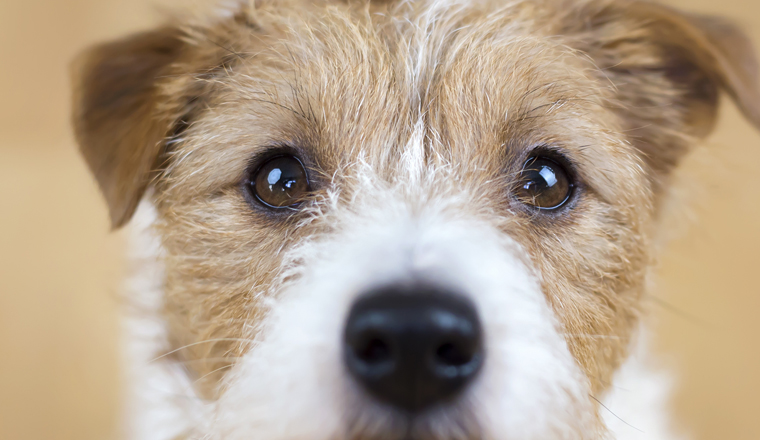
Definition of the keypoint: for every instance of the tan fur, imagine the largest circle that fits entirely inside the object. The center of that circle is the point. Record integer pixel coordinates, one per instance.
(622, 88)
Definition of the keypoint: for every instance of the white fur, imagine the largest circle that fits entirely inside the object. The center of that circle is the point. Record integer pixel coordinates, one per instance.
(636, 405)
(292, 384)
(160, 403)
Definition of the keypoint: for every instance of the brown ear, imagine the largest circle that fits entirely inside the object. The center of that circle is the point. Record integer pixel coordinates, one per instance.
(118, 120)
(668, 68)
(716, 46)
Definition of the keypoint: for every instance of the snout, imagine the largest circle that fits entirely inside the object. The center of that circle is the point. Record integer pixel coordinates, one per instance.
(457, 341)
(413, 346)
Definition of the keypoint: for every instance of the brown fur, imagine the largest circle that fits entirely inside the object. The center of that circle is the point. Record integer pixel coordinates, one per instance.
(623, 88)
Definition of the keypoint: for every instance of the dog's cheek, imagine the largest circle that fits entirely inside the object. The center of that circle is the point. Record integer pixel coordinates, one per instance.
(220, 263)
(592, 274)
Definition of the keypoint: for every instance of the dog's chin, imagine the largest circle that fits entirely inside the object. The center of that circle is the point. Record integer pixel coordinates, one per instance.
(410, 436)
(442, 422)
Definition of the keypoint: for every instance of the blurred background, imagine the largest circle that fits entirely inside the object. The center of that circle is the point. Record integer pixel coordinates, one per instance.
(60, 266)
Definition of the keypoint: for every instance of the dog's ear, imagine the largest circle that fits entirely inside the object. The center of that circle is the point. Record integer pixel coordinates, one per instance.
(667, 68)
(120, 121)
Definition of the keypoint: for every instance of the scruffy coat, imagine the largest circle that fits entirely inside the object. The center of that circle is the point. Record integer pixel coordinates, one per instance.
(414, 119)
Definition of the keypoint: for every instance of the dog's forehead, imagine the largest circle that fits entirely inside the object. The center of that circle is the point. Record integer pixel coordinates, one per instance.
(472, 90)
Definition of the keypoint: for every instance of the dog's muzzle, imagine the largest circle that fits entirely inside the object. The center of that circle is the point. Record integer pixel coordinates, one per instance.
(413, 345)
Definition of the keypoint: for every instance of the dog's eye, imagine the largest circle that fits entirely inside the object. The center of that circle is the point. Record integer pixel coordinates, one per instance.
(544, 184)
(279, 182)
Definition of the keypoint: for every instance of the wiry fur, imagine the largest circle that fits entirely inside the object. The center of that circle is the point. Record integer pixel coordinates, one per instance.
(414, 120)
(390, 237)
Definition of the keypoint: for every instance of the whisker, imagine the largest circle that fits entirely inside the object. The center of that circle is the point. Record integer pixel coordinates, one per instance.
(612, 385)
(212, 359)
(679, 312)
(616, 416)
(199, 343)
(571, 335)
(210, 373)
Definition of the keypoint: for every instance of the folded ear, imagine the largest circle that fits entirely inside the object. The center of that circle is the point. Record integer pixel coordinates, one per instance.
(668, 68)
(119, 121)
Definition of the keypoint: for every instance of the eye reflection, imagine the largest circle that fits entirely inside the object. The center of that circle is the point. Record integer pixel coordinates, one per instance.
(274, 176)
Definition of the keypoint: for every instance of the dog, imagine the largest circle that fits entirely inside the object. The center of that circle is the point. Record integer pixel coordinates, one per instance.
(411, 220)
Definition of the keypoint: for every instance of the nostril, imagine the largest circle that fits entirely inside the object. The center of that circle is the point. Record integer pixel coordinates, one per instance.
(457, 360)
(374, 351)
(454, 355)
(369, 353)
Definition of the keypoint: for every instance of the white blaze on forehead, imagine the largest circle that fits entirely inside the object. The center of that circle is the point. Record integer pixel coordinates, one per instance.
(293, 385)
(412, 163)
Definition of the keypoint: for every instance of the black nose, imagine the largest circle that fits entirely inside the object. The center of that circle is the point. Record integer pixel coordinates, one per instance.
(413, 346)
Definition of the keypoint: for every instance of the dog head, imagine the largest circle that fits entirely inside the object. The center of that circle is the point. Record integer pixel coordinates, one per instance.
(423, 220)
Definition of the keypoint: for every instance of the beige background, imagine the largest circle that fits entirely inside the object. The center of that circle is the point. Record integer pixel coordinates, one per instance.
(59, 266)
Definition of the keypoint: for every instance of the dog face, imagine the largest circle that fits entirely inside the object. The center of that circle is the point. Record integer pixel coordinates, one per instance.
(417, 220)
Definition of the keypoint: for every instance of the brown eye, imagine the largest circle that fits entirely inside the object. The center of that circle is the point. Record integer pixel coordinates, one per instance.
(280, 182)
(544, 184)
